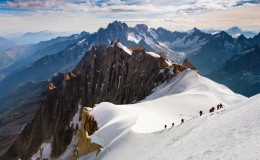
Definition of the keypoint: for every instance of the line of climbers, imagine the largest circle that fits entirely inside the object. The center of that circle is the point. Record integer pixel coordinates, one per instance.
(182, 121)
(212, 109)
(219, 106)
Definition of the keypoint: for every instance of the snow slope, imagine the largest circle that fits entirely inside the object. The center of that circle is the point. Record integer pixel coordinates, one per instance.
(135, 131)
(127, 50)
(230, 133)
(153, 54)
(46, 151)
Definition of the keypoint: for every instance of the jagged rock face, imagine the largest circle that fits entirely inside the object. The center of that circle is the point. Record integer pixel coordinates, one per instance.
(50, 124)
(118, 77)
(103, 74)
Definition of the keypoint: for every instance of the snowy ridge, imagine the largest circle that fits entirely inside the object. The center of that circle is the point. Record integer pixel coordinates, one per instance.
(132, 37)
(248, 51)
(81, 41)
(243, 53)
(183, 97)
(230, 133)
(190, 82)
(153, 54)
(127, 50)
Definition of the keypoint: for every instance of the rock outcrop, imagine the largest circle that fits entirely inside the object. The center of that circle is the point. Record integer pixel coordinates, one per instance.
(103, 74)
(186, 63)
(88, 126)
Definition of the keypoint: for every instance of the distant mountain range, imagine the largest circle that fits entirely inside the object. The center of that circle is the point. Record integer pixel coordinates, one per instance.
(208, 52)
(25, 54)
(47, 58)
(34, 37)
(234, 31)
(6, 43)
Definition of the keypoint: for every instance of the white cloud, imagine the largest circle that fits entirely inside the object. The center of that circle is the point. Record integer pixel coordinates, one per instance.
(180, 6)
(65, 15)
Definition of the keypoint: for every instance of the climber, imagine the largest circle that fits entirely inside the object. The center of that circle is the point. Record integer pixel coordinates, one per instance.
(212, 109)
(182, 120)
(165, 126)
(201, 112)
(172, 124)
(220, 105)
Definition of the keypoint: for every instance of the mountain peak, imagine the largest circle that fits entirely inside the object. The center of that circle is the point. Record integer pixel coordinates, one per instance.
(160, 29)
(141, 27)
(194, 30)
(242, 37)
(224, 34)
(117, 24)
(234, 29)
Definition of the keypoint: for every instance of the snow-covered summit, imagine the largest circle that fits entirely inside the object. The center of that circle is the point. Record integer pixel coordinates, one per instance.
(191, 82)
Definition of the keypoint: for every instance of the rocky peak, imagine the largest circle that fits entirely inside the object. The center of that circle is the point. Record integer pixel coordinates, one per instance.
(84, 33)
(195, 31)
(242, 37)
(117, 25)
(234, 30)
(161, 30)
(242, 40)
(224, 35)
(140, 48)
(141, 28)
(256, 39)
(186, 63)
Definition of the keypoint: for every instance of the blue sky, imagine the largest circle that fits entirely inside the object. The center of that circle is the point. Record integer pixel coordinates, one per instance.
(78, 15)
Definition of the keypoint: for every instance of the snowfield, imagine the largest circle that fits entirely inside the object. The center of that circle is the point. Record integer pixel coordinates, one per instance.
(136, 131)
(230, 133)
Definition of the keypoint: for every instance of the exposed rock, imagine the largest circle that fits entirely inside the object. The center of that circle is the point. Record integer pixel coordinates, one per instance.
(140, 48)
(104, 74)
(69, 76)
(88, 126)
(51, 86)
(186, 63)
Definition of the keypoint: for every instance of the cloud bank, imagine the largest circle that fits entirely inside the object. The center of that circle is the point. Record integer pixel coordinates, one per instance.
(130, 6)
(56, 15)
